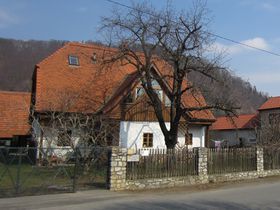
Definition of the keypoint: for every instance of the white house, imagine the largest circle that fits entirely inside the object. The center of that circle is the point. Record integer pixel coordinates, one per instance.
(236, 131)
(75, 80)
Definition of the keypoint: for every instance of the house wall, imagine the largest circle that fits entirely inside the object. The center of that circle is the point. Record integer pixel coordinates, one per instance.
(232, 136)
(264, 116)
(131, 134)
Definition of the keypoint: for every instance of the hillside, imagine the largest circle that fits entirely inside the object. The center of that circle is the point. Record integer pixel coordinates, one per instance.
(18, 58)
(17, 61)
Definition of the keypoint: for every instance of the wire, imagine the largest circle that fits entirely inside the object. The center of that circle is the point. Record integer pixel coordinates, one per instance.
(243, 44)
(216, 35)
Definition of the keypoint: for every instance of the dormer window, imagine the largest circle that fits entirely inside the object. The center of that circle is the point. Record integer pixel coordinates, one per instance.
(73, 60)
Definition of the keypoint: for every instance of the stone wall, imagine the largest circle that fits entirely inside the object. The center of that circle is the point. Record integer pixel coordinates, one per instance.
(202, 165)
(117, 169)
(162, 182)
(118, 181)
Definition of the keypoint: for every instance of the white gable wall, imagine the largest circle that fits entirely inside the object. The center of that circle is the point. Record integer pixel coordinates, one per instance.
(131, 134)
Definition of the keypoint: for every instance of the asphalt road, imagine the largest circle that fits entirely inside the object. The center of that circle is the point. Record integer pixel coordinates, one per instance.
(253, 195)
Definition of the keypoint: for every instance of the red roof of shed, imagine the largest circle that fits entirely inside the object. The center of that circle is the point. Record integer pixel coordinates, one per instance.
(14, 114)
(271, 103)
(245, 121)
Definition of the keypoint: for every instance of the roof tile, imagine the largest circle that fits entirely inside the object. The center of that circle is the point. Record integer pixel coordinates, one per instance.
(245, 121)
(14, 113)
(271, 103)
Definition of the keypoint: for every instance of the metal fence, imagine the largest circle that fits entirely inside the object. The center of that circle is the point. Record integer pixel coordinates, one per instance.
(271, 158)
(227, 160)
(31, 171)
(159, 163)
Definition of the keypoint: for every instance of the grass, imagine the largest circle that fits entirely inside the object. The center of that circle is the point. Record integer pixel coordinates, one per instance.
(33, 179)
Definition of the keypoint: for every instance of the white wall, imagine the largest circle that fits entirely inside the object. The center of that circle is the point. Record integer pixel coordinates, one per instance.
(232, 136)
(131, 134)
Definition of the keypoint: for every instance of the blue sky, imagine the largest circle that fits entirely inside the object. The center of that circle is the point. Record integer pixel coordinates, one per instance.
(254, 22)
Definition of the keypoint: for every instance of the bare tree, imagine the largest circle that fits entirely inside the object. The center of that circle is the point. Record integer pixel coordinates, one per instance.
(269, 132)
(60, 129)
(180, 39)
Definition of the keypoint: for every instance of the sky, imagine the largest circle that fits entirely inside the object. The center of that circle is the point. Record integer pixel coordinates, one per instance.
(253, 22)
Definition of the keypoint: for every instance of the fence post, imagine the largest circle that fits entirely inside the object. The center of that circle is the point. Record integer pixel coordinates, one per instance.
(18, 171)
(260, 162)
(75, 170)
(202, 165)
(117, 176)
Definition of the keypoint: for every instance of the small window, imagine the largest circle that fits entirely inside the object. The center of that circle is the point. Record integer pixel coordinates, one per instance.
(128, 98)
(64, 138)
(73, 60)
(148, 140)
(160, 94)
(167, 101)
(139, 92)
(188, 139)
(155, 83)
(252, 140)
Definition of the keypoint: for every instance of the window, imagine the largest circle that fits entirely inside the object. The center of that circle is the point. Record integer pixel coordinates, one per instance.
(167, 101)
(73, 60)
(5, 142)
(160, 94)
(155, 83)
(252, 140)
(148, 140)
(128, 98)
(188, 139)
(139, 92)
(64, 138)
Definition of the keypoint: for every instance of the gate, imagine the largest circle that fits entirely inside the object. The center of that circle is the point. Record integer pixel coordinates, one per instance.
(33, 171)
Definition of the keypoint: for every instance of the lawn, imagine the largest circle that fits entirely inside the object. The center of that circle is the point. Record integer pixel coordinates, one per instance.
(32, 179)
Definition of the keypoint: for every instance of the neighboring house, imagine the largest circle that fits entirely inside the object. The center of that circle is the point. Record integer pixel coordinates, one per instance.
(270, 121)
(234, 131)
(75, 79)
(270, 111)
(14, 119)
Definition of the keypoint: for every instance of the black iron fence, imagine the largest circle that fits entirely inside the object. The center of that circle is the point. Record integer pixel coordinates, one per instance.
(159, 163)
(30, 171)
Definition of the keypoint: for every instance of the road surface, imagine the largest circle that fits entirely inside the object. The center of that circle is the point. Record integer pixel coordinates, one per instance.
(263, 194)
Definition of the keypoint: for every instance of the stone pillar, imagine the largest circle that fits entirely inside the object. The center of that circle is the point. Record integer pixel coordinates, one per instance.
(260, 167)
(117, 175)
(202, 165)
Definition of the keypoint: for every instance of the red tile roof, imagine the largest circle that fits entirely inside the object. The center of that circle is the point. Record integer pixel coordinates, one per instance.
(14, 113)
(271, 103)
(59, 86)
(246, 121)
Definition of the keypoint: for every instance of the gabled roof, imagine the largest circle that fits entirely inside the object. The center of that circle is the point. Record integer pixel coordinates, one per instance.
(271, 103)
(91, 85)
(245, 121)
(14, 114)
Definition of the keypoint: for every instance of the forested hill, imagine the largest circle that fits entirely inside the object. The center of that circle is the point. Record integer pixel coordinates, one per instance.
(18, 59)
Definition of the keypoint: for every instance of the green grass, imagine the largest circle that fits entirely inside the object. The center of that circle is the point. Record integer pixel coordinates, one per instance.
(34, 179)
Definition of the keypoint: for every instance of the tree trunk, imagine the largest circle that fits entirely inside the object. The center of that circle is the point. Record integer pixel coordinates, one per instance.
(171, 140)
